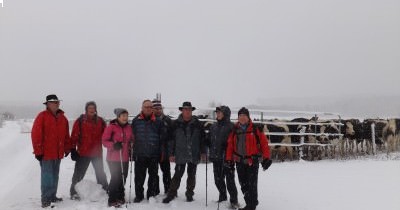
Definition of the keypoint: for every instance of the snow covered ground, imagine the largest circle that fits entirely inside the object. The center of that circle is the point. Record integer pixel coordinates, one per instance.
(368, 184)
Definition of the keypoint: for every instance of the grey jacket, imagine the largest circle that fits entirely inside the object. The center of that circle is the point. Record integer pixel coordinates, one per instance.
(188, 141)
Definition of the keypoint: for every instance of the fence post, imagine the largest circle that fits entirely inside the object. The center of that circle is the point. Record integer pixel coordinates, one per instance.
(303, 130)
(373, 138)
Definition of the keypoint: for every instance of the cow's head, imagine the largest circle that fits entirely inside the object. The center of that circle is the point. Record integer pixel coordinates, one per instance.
(350, 129)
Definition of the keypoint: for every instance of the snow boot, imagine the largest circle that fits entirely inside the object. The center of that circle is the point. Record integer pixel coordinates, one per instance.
(222, 197)
(234, 205)
(75, 197)
(189, 198)
(56, 200)
(168, 199)
(138, 199)
(115, 204)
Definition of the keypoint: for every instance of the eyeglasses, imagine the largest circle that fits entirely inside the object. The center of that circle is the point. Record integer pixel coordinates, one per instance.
(54, 102)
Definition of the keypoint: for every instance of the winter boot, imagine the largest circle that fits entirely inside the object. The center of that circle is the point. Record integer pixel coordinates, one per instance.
(189, 198)
(46, 204)
(115, 204)
(56, 200)
(75, 197)
(222, 197)
(234, 205)
(138, 199)
(168, 199)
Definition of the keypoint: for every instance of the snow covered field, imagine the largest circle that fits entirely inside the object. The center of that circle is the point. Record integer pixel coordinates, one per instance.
(368, 184)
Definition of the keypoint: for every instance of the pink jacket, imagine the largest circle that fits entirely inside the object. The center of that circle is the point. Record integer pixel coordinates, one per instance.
(115, 133)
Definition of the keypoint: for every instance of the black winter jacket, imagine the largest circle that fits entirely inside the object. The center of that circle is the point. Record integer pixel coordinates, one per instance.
(188, 141)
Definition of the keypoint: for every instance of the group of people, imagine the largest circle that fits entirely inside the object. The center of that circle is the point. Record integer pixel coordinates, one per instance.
(151, 140)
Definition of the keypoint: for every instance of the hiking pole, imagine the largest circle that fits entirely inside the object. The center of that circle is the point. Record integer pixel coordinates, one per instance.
(222, 173)
(122, 172)
(130, 178)
(206, 178)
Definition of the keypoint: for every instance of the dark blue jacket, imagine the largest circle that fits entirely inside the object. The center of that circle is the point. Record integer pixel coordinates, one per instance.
(148, 135)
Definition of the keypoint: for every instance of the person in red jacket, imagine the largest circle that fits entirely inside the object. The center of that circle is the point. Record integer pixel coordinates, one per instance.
(87, 147)
(246, 145)
(51, 142)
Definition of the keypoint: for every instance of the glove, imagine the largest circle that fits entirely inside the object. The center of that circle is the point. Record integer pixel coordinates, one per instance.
(117, 145)
(74, 155)
(266, 163)
(39, 157)
(229, 165)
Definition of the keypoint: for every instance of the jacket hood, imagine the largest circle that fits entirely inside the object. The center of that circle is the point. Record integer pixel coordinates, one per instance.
(227, 113)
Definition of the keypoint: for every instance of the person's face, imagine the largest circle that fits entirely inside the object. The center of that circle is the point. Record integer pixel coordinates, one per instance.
(123, 118)
(220, 115)
(187, 113)
(158, 111)
(147, 108)
(53, 105)
(243, 119)
(91, 110)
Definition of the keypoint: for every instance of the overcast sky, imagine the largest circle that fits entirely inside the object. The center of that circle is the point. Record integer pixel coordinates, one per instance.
(233, 52)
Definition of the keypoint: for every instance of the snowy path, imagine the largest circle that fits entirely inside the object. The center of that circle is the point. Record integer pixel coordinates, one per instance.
(328, 185)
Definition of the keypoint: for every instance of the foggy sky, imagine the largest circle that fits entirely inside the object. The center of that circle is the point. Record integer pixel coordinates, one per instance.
(232, 52)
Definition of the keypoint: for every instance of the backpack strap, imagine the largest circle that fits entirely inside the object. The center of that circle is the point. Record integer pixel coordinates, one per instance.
(80, 120)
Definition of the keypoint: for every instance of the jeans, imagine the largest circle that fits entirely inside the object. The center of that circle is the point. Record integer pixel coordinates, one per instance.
(49, 179)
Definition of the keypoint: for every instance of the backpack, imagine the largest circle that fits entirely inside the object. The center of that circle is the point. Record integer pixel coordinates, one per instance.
(254, 131)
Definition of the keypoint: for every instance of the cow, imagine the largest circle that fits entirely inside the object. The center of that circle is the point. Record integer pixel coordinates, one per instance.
(390, 134)
(309, 152)
(280, 152)
(367, 134)
(352, 131)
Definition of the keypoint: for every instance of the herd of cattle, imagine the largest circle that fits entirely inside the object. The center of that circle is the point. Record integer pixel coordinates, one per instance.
(314, 139)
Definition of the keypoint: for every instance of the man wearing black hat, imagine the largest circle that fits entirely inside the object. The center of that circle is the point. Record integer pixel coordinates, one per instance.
(246, 145)
(50, 141)
(165, 165)
(87, 147)
(186, 148)
(217, 141)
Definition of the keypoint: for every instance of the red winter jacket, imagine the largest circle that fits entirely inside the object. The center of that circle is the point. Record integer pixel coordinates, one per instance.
(50, 135)
(86, 135)
(251, 145)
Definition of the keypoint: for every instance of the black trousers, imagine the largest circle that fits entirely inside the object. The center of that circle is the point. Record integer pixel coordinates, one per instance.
(190, 182)
(142, 165)
(116, 189)
(166, 173)
(220, 174)
(81, 167)
(248, 179)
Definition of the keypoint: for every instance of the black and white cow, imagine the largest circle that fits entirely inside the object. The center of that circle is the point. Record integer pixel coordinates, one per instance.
(380, 124)
(352, 131)
(280, 152)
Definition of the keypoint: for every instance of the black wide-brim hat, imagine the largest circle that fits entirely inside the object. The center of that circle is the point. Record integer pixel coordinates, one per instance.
(51, 98)
(187, 104)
